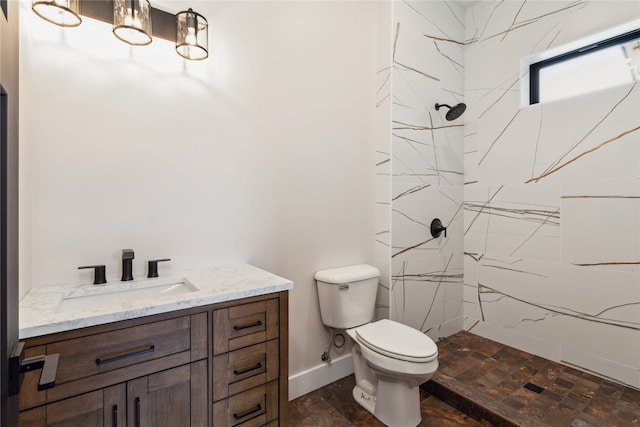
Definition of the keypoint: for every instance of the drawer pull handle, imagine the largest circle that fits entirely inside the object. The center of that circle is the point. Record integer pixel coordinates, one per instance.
(244, 371)
(151, 349)
(258, 408)
(250, 325)
(115, 415)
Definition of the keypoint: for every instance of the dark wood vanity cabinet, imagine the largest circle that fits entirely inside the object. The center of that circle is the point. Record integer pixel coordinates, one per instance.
(218, 365)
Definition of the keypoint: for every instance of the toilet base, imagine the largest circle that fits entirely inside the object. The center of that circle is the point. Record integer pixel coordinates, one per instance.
(364, 399)
(399, 405)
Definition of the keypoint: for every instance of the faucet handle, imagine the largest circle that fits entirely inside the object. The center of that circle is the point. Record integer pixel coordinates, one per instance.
(128, 254)
(99, 274)
(153, 266)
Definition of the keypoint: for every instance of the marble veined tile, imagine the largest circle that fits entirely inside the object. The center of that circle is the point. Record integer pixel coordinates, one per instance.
(412, 96)
(507, 141)
(420, 288)
(470, 288)
(451, 214)
(413, 206)
(449, 151)
(413, 157)
(598, 330)
(612, 352)
(601, 224)
(451, 57)
(415, 68)
(497, 21)
(432, 154)
(442, 21)
(515, 221)
(607, 297)
(594, 136)
(471, 158)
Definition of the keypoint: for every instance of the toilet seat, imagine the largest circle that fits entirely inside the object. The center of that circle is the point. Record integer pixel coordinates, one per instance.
(397, 341)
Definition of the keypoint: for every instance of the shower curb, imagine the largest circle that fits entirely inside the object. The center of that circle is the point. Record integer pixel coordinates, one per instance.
(478, 406)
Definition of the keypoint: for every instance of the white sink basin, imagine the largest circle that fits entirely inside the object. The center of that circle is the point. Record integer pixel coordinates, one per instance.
(118, 293)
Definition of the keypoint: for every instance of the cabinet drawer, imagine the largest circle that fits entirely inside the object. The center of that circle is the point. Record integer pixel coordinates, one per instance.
(246, 368)
(244, 325)
(252, 408)
(95, 354)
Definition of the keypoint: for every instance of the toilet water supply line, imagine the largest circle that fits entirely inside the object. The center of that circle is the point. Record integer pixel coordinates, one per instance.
(337, 340)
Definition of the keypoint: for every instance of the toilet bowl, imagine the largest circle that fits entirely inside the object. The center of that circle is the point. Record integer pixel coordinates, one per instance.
(390, 360)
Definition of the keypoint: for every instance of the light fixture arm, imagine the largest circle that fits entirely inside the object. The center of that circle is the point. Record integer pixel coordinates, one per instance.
(192, 20)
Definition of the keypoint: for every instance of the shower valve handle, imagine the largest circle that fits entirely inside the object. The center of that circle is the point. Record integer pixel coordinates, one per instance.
(437, 228)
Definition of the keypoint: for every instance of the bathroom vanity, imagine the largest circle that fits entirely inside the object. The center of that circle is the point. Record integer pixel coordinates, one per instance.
(216, 355)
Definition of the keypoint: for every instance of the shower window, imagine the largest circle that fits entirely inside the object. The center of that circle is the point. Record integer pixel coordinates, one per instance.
(588, 68)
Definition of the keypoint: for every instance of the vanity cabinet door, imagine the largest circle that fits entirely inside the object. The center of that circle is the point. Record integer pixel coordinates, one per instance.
(175, 397)
(171, 398)
(115, 406)
(100, 408)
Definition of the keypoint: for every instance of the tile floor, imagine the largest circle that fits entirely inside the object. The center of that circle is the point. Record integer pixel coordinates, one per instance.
(493, 375)
(485, 379)
(333, 406)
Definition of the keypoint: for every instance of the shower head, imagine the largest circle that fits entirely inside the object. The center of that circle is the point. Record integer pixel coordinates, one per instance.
(454, 112)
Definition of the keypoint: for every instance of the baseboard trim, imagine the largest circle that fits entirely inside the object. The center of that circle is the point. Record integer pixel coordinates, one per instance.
(319, 376)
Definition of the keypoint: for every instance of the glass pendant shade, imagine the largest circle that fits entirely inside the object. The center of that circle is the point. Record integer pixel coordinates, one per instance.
(132, 21)
(192, 35)
(65, 13)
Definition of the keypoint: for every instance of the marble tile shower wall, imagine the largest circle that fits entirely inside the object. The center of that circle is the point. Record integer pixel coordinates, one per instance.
(551, 195)
(420, 165)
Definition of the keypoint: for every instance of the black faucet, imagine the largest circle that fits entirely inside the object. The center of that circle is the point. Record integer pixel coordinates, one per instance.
(99, 274)
(153, 266)
(127, 264)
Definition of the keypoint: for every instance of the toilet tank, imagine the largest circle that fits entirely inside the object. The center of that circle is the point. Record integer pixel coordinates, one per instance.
(347, 295)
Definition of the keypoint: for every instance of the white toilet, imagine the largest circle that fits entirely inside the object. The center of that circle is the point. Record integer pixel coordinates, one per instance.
(390, 359)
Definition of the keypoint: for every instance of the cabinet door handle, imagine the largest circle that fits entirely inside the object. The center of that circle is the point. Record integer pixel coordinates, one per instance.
(115, 415)
(258, 408)
(244, 371)
(250, 325)
(151, 349)
(137, 412)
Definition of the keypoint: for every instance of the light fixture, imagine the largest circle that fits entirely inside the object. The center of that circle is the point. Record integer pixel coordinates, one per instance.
(132, 21)
(192, 35)
(65, 13)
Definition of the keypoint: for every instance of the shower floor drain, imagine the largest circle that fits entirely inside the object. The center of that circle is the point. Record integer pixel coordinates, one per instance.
(533, 387)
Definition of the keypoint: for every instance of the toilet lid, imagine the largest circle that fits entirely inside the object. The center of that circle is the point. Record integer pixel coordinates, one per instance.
(396, 340)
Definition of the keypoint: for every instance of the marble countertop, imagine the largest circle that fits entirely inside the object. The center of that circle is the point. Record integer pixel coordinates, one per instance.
(41, 313)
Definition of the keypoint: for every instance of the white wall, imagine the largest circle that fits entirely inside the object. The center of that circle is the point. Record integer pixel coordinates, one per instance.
(541, 273)
(263, 153)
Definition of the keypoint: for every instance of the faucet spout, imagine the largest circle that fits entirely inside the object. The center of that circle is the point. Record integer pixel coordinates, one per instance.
(127, 264)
